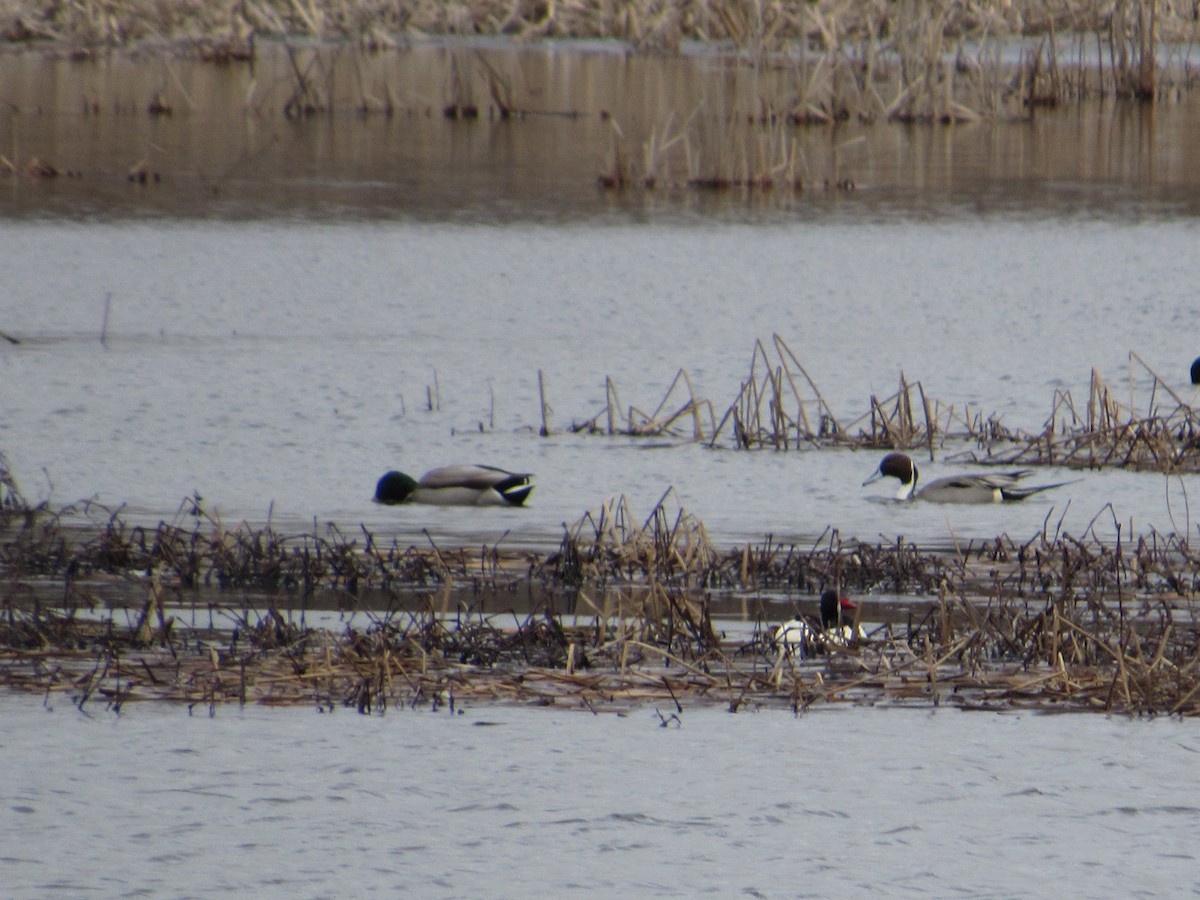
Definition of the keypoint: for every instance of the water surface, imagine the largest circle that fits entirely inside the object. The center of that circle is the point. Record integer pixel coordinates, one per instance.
(513, 802)
(287, 297)
(380, 148)
(284, 299)
(281, 368)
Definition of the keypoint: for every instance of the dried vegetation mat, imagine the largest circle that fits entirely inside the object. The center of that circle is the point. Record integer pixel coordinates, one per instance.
(619, 615)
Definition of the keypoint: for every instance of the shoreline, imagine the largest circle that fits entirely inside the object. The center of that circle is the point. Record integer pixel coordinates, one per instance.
(1136, 52)
(642, 24)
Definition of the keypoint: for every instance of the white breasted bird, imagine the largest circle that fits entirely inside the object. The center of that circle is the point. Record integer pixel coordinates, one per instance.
(992, 487)
(799, 637)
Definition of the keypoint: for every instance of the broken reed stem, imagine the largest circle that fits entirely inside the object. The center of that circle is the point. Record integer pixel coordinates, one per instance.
(1101, 434)
(615, 663)
(545, 409)
(104, 321)
(974, 659)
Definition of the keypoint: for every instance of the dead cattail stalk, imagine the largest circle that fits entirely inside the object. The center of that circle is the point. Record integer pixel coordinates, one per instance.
(545, 407)
(104, 321)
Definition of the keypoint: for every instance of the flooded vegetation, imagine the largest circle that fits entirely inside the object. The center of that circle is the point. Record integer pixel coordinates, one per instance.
(621, 613)
(489, 112)
(850, 44)
(780, 405)
(758, 103)
(699, 267)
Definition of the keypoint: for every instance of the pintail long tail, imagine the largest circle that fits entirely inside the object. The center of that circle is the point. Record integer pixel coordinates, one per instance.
(991, 487)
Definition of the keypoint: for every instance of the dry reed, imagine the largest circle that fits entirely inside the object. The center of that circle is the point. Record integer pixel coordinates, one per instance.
(916, 60)
(621, 614)
(781, 72)
(753, 27)
(780, 406)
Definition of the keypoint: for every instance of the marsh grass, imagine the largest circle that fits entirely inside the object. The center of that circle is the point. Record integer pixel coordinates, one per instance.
(751, 26)
(778, 402)
(620, 614)
(1159, 431)
(680, 413)
(772, 77)
(1146, 425)
(1059, 650)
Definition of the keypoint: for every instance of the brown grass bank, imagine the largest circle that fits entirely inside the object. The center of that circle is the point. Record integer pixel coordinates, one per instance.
(644, 23)
(842, 47)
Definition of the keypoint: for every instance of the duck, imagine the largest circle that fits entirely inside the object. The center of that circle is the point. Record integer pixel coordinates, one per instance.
(994, 487)
(459, 485)
(798, 637)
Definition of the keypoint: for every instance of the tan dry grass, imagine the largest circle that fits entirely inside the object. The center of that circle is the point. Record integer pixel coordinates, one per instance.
(844, 47)
(1144, 425)
(1053, 654)
(748, 24)
(618, 615)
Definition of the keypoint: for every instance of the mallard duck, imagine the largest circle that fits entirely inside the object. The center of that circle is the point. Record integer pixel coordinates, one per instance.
(456, 486)
(993, 487)
(799, 637)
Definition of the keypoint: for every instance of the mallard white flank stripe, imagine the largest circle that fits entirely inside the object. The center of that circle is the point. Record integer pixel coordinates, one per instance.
(992, 487)
(461, 485)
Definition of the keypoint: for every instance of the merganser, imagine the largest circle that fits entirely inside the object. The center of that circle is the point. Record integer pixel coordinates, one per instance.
(994, 487)
(799, 637)
(456, 486)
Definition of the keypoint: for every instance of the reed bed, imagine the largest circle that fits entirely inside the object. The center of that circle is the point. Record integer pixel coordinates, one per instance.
(680, 413)
(751, 116)
(815, 63)
(749, 25)
(1146, 425)
(1159, 431)
(1052, 652)
(620, 615)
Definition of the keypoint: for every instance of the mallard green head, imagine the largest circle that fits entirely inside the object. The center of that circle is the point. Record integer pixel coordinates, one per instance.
(394, 487)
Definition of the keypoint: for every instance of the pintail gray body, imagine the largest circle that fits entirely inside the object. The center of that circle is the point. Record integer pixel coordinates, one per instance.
(992, 487)
(462, 485)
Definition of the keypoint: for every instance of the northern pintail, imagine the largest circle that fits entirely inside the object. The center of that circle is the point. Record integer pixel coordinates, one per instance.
(800, 637)
(456, 486)
(994, 487)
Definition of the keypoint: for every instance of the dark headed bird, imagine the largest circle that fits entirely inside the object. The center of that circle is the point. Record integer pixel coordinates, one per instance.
(456, 486)
(799, 637)
(994, 487)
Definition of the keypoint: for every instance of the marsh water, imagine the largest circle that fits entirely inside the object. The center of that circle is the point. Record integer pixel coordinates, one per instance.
(284, 308)
(504, 802)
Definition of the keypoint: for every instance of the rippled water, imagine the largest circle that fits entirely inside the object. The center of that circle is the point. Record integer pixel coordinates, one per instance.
(509, 802)
(284, 303)
(283, 368)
